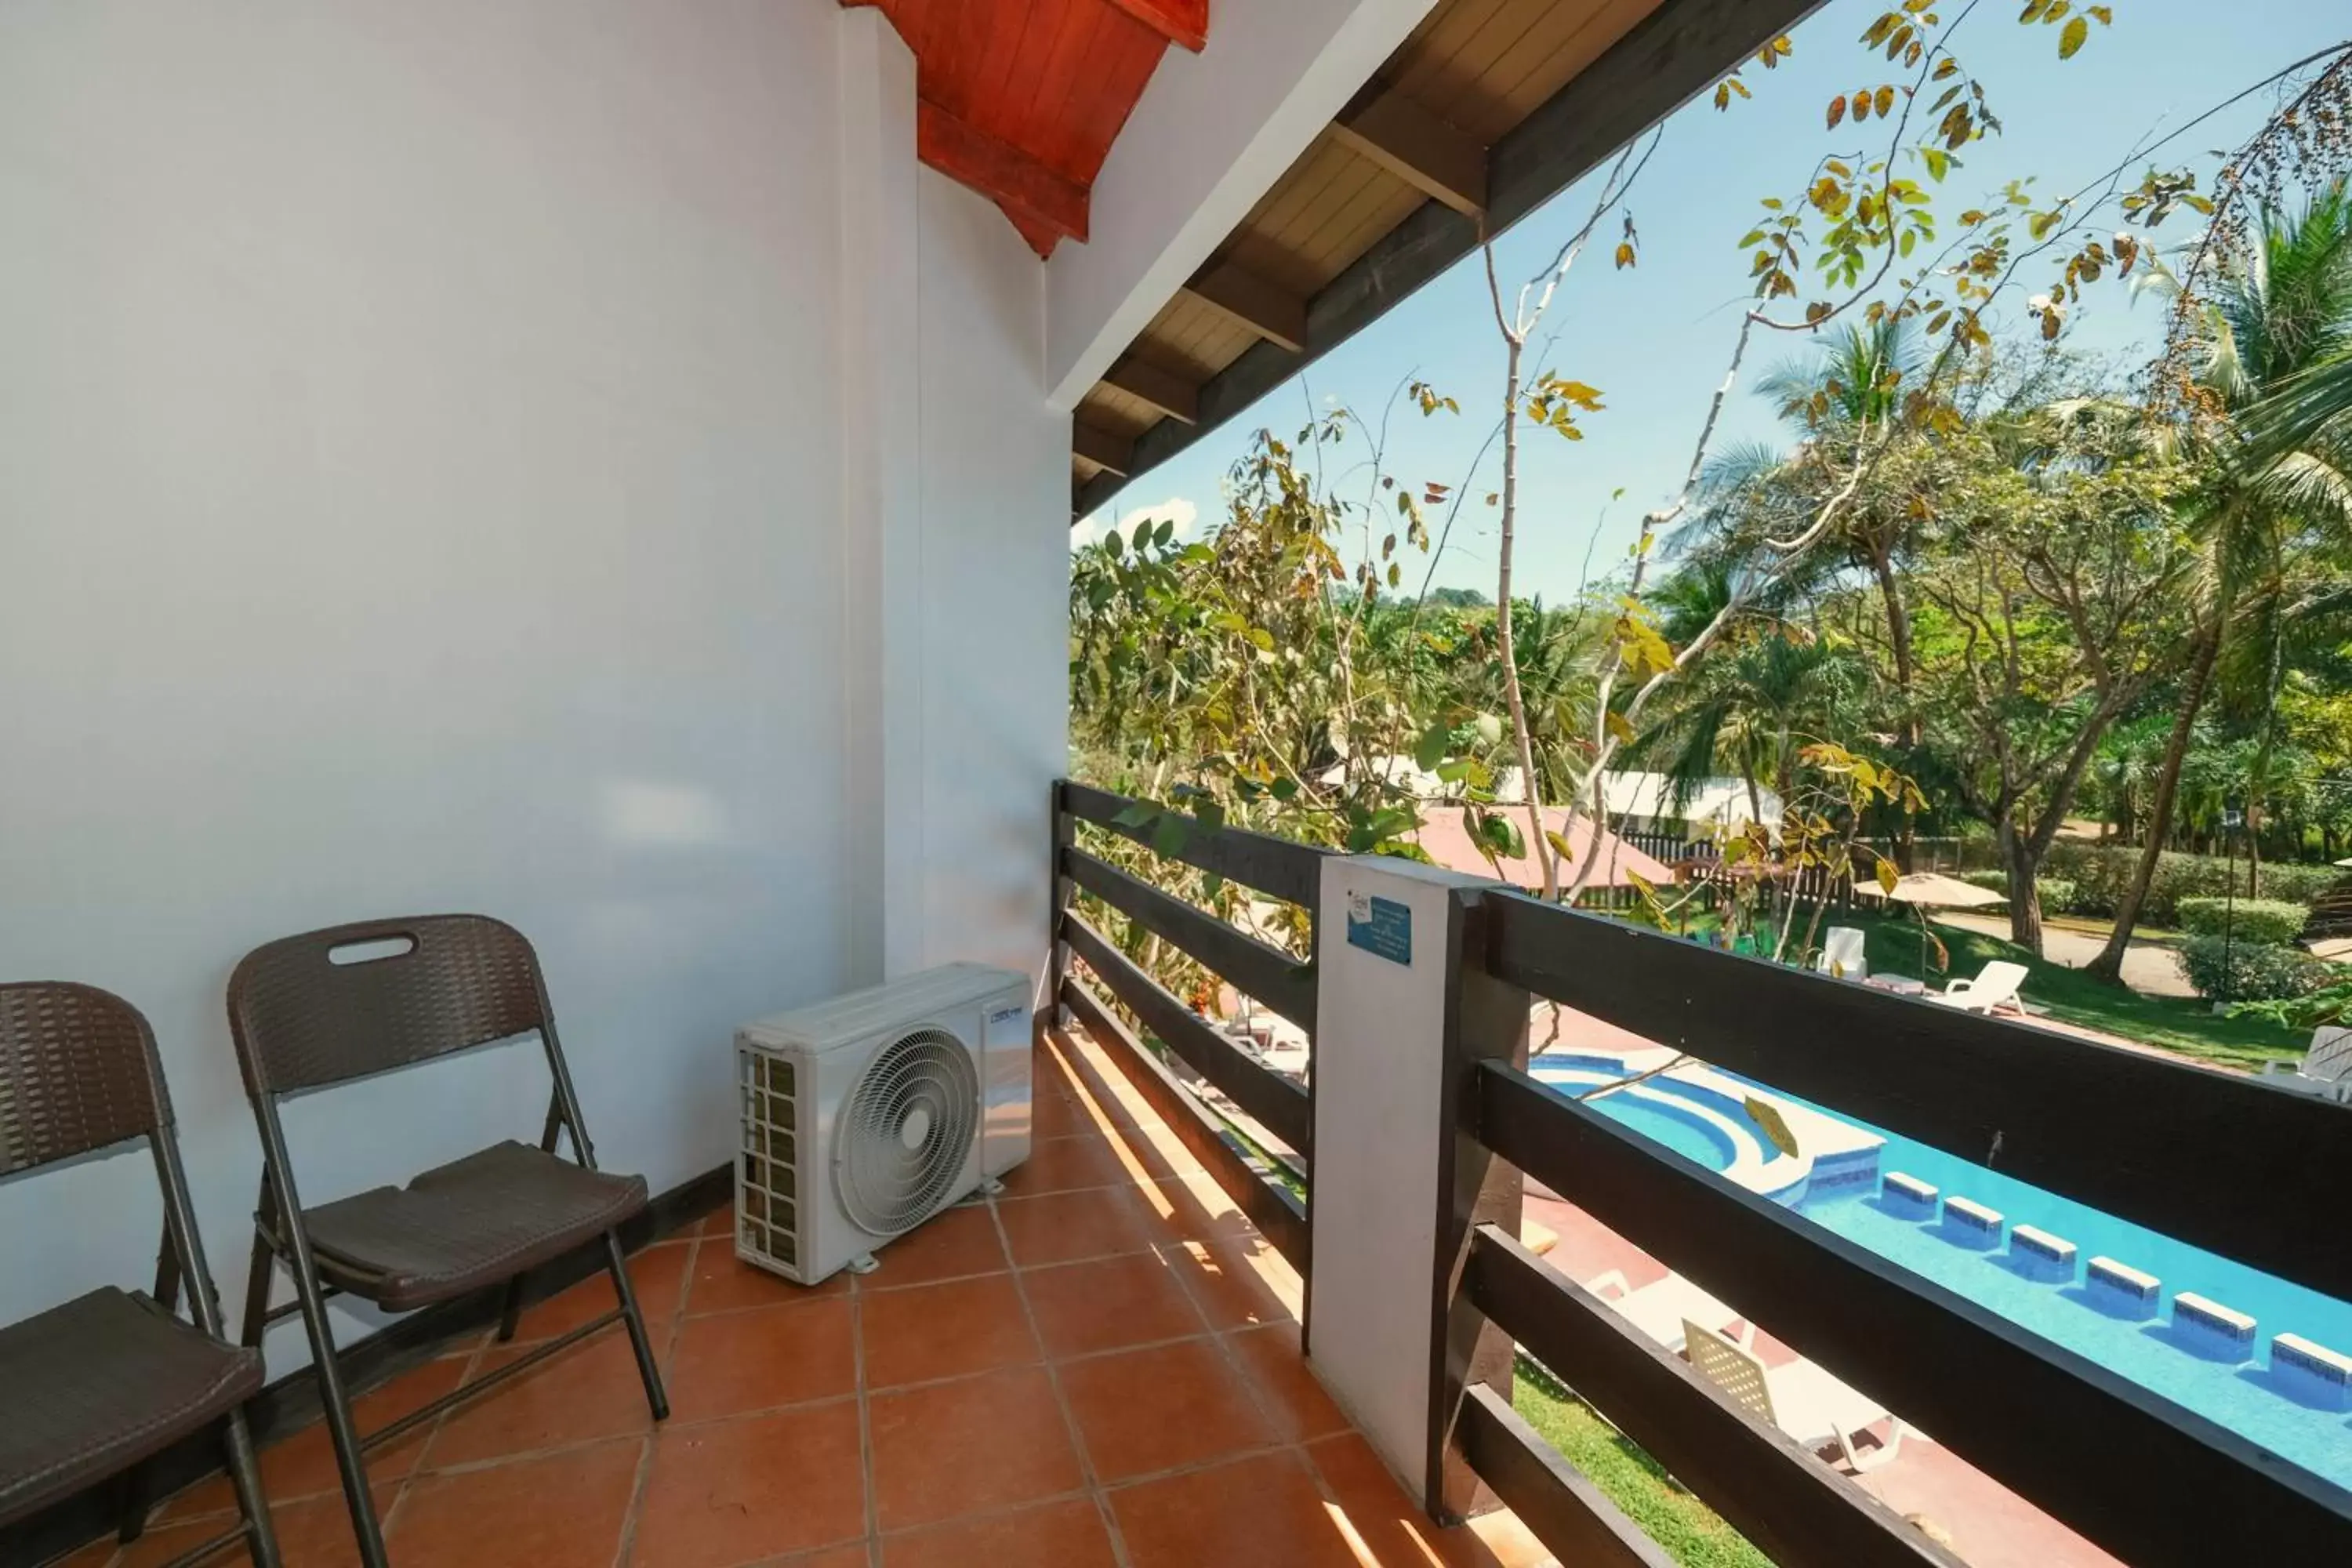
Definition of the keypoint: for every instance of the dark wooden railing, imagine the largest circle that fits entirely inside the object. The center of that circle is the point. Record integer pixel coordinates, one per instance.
(1276, 867)
(2224, 1163)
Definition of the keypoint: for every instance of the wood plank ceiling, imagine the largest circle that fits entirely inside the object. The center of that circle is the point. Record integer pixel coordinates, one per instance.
(1487, 109)
(1020, 100)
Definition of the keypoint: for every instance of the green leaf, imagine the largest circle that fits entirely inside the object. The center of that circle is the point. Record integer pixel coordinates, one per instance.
(1113, 542)
(1500, 836)
(1169, 836)
(1430, 750)
(1489, 726)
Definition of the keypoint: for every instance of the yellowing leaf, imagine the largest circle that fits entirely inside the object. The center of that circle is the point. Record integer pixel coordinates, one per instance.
(1887, 876)
(1625, 255)
(2077, 32)
(1837, 110)
(1774, 1126)
(1884, 102)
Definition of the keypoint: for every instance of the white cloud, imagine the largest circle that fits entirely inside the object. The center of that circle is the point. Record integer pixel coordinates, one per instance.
(1175, 508)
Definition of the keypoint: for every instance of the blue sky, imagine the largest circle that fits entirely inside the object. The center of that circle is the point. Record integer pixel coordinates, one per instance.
(1655, 339)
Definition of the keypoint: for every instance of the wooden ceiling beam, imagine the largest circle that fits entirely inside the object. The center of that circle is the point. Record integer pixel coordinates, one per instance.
(1676, 52)
(1272, 312)
(1418, 148)
(1092, 444)
(1012, 178)
(1172, 394)
(1182, 22)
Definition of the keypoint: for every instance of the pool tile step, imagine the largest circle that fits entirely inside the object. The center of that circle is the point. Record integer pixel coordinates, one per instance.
(2046, 1257)
(1971, 1224)
(1908, 1196)
(2311, 1373)
(2121, 1289)
(2213, 1329)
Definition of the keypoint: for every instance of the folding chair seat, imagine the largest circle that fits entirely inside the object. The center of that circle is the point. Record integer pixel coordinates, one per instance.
(95, 1385)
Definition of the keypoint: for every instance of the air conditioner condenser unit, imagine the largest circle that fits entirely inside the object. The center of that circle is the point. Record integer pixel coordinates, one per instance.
(866, 1115)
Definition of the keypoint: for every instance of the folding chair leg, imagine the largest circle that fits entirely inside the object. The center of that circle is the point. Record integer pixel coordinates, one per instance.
(256, 1291)
(134, 1505)
(635, 1319)
(351, 1463)
(244, 1476)
(511, 1312)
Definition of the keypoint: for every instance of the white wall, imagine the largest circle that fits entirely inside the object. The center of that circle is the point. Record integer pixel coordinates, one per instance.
(994, 608)
(421, 486)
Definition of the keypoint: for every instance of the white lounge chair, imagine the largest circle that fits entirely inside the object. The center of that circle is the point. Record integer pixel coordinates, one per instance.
(1997, 982)
(1662, 1309)
(1801, 1399)
(2325, 1068)
(1842, 954)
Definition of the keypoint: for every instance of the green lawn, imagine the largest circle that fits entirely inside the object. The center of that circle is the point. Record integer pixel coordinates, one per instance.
(2182, 1024)
(1691, 1533)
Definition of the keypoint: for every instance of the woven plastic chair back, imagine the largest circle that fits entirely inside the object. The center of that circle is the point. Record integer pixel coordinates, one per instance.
(302, 1019)
(77, 1073)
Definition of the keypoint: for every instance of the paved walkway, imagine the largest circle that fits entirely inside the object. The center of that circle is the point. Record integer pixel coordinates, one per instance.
(2150, 968)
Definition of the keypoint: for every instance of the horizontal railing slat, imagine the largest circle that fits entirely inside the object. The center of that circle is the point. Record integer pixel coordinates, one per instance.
(1253, 967)
(1273, 1210)
(2199, 1155)
(1801, 1513)
(1275, 867)
(1260, 1092)
(2152, 1483)
(1567, 1512)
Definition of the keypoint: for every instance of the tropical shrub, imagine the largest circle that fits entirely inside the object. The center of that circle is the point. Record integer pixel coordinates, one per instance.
(2058, 894)
(2331, 1004)
(2102, 871)
(2252, 971)
(2272, 921)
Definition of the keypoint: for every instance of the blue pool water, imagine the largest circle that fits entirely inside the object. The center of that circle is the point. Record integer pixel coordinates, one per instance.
(2241, 1397)
(1651, 1108)
(1686, 1136)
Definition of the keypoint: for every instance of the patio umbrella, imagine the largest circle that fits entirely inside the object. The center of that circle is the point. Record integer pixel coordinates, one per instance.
(1931, 890)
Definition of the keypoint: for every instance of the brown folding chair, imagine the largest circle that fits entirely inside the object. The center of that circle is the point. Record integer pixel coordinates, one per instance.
(312, 1011)
(95, 1387)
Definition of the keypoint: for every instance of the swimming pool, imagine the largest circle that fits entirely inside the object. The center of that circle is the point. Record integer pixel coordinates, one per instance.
(2242, 1397)
(1691, 1119)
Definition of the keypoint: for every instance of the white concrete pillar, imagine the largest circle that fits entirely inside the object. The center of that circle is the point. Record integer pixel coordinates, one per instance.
(1399, 1017)
(881, 496)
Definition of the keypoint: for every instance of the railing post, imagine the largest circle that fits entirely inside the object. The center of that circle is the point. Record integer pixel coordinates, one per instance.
(1402, 1010)
(1064, 833)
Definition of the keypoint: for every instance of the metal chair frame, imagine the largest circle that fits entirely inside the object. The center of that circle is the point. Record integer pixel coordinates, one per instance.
(280, 1197)
(179, 1258)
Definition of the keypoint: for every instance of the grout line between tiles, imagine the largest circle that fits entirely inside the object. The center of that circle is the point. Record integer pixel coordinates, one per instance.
(627, 1548)
(1062, 1403)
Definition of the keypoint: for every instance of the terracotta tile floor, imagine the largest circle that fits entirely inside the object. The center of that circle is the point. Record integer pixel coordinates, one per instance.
(1099, 1368)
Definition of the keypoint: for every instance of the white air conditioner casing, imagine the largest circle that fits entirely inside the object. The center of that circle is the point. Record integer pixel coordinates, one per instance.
(864, 1116)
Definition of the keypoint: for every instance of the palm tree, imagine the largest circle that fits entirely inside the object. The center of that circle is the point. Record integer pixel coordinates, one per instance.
(2279, 324)
(1859, 382)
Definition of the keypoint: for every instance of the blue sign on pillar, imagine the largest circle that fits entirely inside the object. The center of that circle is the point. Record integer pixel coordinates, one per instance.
(1381, 927)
